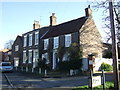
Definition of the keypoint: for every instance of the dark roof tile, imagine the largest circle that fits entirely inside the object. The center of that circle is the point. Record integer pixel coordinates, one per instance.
(65, 28)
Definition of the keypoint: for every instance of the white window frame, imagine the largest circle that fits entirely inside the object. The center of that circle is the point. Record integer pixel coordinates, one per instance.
(16, 47)
(30, 39)
(24, 56)
(56, 42)
(36, 38)
(30, 56)
(46, 42)
(25, 41)
(67, 40)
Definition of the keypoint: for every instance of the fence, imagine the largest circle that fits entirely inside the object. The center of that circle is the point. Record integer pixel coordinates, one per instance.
(98, 62)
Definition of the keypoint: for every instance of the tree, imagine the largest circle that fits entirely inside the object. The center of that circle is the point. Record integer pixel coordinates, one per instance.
(74, 57)
(106, 19)
(8, 44)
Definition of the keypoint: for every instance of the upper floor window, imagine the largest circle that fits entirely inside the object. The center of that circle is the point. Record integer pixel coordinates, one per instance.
(25, 41)
(30, 40)
(16, 47)
(36, 38)
(24, 57)
(56, 42)
(45, 44)
(67, 40)
(30, 56)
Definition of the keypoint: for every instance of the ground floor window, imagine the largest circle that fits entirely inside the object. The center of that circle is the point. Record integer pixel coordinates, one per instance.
(16, 62)
(45, 55)
(24, 57)
(30, 56)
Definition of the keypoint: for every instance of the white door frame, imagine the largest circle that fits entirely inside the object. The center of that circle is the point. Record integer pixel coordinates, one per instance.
(55, 59)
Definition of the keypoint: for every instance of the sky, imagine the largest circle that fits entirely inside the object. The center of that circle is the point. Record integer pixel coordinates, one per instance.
(18, 17)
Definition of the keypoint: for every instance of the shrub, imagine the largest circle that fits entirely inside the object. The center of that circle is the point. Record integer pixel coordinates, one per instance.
(106, 67)
(72, 64)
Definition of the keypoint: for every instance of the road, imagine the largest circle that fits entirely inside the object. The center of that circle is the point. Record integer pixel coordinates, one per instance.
(22, 80)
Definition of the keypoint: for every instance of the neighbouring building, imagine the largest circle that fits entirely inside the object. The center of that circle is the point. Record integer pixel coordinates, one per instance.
(42, 42)
(3, 55)
(17, 51)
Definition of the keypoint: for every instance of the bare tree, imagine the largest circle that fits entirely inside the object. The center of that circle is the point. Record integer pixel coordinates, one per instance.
(8, 44)
(106, 19)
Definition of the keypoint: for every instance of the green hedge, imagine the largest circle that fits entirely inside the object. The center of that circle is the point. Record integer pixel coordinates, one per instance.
(106, 67)
(72, 64)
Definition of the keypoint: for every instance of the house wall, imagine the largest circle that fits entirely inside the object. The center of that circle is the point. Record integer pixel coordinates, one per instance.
(17, 54)
(90, 39)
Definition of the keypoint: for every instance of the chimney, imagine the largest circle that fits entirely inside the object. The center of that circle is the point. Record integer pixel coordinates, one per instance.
(53, 19)
(36, 24)
(88, 12)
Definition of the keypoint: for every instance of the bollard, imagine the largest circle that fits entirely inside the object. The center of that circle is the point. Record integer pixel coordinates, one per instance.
(21, 68)
(90, 79)
(45, 72)
(32, 70)
(40, 71)
(16, 68)
(26, 69)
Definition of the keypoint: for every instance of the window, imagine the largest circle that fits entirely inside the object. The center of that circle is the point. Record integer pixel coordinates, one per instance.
(25, 40)
(16, 47)
(30, 56)
(36, 38)
(45, 55)
(30, 40)
(45, 44)
(67, 40)
(24, 56)
(56, 42)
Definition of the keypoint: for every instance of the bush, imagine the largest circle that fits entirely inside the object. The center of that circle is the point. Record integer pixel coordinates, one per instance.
(72, 64)
(106, 67)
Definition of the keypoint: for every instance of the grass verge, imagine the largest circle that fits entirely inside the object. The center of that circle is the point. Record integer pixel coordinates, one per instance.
(108, 85)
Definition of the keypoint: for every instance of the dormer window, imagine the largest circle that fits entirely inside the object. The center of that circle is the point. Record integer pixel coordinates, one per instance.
(36, 38)
(56, 42)
(67, 40)
(46, 44)
(30, 39)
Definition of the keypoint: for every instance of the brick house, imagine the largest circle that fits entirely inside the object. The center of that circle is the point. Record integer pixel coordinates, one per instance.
(82, 31)
(17, 51)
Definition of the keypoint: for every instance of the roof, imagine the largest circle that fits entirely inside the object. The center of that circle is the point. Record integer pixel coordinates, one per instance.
(4, 50)
(65, 28)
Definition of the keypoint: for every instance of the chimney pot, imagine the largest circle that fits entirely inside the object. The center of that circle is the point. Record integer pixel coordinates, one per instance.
(36, 24)
(88, 12)
(53, 19)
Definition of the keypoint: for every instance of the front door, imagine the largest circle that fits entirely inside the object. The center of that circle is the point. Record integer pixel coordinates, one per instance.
(55, 60)
(35, 58)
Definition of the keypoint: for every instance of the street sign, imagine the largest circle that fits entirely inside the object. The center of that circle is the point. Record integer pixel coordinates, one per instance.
(96, 81)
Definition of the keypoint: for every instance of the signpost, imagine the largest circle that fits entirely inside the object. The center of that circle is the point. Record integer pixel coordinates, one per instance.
(96, 80)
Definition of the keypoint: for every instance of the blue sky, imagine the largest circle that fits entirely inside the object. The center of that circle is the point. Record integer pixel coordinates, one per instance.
(18, 17)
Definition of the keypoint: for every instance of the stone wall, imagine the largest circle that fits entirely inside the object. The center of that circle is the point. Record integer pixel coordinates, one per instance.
(90, 39)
